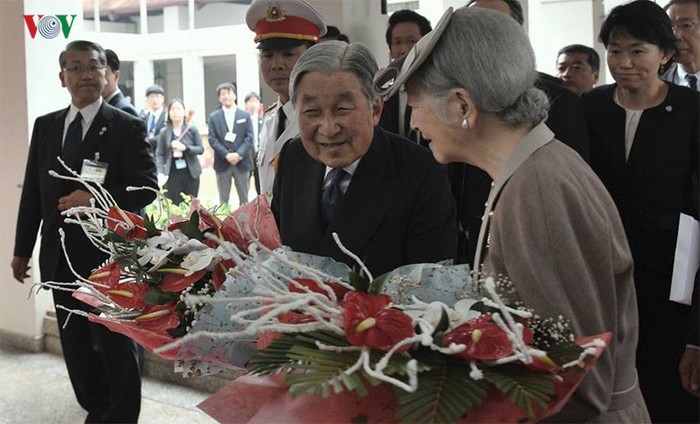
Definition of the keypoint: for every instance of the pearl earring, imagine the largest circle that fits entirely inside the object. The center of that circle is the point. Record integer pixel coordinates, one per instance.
(465, 124)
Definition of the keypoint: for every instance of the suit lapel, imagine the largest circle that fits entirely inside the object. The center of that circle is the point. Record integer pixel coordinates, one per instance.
(54, 139)
(375, 182)
(307, 217)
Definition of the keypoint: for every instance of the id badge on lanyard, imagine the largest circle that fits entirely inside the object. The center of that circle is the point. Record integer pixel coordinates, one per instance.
(94, 170)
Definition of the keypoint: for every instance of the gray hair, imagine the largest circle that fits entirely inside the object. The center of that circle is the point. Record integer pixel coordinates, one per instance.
(488, 54)
(332, 56)
(83, 46)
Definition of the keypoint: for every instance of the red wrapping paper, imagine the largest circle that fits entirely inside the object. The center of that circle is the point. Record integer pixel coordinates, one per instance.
(252, 399)
(259, 221)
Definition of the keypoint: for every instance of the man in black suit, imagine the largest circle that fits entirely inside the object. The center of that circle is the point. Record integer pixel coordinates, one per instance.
(155, 115)
(405, 28)
(231, 137)
(112, 94)
(388, 199)
(102, 365)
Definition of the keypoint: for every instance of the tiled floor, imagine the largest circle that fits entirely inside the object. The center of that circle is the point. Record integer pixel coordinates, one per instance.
(34, 388)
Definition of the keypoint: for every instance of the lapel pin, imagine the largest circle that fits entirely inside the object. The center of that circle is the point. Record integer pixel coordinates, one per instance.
(102, 131)
(669, 108)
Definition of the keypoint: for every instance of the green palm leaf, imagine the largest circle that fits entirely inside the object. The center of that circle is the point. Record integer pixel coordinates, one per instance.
(445, 393)
(526, 389)
(318, 372)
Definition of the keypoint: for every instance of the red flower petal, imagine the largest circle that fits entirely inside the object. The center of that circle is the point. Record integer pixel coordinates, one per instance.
(294, 318)
(107, 275)
(219, 275)
(369, 322)
(484, 339)
(126, 224)
(159, 318)
(339, 290)
(129, 295)
(177, 281)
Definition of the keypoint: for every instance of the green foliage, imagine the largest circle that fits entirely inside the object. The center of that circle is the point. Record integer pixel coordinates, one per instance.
(311, 370)
(526, 389)
(191, 228)
(445, 392)
(358, 280)
(157, 297)
(481, 307)
(565, 353)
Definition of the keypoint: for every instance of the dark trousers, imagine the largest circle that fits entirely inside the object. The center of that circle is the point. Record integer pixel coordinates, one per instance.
(663, 332)
(180, 181)
(103, 366)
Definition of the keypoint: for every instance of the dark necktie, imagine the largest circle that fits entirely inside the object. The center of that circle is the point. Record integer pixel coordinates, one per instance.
(692, 82)
(152, 123)
(280, 122)
(74, 136)
(331, 196)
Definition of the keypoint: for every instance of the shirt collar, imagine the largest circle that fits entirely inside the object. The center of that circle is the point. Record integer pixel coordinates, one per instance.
(88, 112)
(682, 73)
(350, 169)
(111, 96)
(287, 107)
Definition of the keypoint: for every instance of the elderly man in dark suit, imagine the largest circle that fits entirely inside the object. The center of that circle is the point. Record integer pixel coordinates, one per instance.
(112, 94)
(231, 137)
(102, 365)
(388, 199)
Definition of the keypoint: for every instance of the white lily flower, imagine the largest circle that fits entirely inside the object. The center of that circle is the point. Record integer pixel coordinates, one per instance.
(199, 260)
(152, 255)
(168, 240)
(462, 312)
(191, 245)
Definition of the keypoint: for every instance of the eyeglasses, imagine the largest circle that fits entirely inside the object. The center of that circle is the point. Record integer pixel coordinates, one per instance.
(685, 26)
(409, 42)
(79, 70)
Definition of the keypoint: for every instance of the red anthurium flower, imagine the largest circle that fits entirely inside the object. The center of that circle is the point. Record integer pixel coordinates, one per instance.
(369, 321)
(220, 270)
(543, 364)
(295, 318)
(207, 220)
(485, 340)
(175, 222)
(129, 295)
(107, 275)
(233, 232)
(339, 290)
(159, 318)
(176, 281)
(126, 224)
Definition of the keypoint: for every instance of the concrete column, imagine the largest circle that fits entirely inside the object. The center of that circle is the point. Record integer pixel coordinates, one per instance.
(30, 88)
(143, 78)
(193, 86)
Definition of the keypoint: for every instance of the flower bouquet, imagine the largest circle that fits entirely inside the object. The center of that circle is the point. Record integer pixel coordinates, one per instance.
(139, 292)
(417, 344)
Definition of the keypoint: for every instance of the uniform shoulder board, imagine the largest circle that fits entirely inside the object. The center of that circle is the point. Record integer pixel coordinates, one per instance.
(271, 107)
